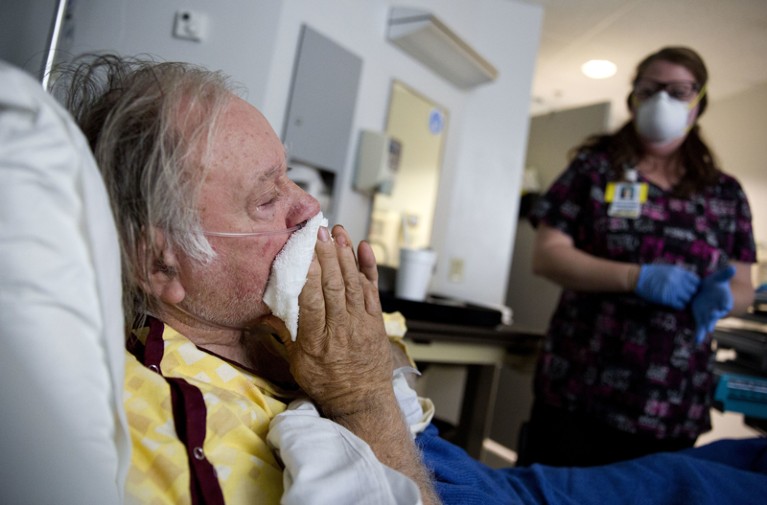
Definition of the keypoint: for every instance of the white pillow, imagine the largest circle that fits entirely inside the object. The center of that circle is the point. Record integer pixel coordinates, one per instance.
(63, 435)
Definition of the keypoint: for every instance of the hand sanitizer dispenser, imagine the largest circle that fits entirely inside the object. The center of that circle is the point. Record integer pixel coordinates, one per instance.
(378, 159)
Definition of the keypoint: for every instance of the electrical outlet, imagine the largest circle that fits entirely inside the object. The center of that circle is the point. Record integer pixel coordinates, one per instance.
(456, 270)
(190, 25)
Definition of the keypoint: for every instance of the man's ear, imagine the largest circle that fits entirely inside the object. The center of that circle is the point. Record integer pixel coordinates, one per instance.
(160, 279)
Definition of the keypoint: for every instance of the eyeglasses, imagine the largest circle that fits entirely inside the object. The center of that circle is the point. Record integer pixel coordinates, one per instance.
(235, 234)
(679, 90)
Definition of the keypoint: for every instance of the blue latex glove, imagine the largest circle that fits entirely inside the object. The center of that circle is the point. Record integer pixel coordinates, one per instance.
(667, 285)
(713, 301)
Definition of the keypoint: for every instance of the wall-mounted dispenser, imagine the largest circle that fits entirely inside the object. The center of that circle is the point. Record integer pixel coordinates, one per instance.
(378, 158)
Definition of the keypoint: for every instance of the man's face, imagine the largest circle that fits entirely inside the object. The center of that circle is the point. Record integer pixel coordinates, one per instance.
(246, 190)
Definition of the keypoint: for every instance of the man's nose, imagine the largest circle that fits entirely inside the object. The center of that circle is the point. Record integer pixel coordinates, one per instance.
(303, 205)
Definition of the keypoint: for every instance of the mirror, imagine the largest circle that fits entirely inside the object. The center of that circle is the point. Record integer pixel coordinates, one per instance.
(405, 216)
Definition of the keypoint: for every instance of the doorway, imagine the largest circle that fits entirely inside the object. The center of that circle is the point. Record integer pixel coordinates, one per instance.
(405, 216)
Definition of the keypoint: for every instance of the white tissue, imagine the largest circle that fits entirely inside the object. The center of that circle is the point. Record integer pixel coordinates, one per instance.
(289, 272)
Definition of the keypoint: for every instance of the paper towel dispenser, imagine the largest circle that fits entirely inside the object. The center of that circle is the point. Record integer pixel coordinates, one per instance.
(378, 158)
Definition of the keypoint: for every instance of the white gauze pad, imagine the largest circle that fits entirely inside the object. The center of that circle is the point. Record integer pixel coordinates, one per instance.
(289, 272)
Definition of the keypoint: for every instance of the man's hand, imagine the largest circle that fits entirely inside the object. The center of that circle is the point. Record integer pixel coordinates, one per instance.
(341, 357)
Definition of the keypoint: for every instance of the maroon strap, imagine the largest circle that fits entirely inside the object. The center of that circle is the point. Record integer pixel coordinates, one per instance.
(189, 414)
(189, 418)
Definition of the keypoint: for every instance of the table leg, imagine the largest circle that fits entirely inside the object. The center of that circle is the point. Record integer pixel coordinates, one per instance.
(477, 407)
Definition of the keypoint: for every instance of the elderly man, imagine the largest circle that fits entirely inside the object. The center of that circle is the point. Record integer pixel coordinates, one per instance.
(203, 204)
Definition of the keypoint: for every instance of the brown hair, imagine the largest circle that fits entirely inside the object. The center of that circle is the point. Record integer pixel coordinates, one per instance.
(624, 147)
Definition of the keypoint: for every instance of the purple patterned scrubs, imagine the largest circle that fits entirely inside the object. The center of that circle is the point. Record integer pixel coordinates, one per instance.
(631, 363)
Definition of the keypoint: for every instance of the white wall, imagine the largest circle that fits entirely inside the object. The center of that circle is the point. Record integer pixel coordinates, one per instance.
(479, 194)
(240, 39)
(735, 129)
(255, 41)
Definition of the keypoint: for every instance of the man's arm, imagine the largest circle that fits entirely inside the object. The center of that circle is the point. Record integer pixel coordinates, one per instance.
(327, 464)
(342, 357)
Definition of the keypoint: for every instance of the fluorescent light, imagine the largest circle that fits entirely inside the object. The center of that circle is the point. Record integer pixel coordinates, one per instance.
(599, 69)
(427, 39)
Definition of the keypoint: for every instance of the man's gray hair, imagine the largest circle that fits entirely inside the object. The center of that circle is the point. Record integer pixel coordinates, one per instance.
(149, 125)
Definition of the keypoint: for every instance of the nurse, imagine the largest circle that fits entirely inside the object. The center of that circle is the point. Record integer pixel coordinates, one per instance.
(652, 243)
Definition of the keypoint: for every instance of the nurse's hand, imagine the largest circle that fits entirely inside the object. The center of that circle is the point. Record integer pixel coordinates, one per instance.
(713, 302)
(668, 285)
(341, 357)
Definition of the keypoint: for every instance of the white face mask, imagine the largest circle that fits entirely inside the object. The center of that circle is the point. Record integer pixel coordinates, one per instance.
(661, 119)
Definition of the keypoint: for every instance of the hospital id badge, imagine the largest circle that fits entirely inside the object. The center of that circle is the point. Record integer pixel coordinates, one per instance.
(625, 198)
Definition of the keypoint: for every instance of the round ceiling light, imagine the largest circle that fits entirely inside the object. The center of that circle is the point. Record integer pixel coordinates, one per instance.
(599, 69)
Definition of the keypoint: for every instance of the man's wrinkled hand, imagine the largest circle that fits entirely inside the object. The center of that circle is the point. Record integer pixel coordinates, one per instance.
(341, 357)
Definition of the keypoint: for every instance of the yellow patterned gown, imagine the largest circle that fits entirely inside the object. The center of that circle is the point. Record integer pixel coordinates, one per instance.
(198, 425)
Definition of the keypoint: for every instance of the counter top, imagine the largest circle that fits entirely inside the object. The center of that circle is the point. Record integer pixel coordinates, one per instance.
(506, 337)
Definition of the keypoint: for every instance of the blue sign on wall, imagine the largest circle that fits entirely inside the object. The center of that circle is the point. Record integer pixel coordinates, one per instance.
(436, 121)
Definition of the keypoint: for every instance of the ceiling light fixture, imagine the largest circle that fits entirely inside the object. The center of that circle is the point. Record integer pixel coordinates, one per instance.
(429, 40)
(599, 69)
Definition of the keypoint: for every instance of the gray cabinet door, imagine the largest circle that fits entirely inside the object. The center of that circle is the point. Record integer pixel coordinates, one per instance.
(322, 101)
